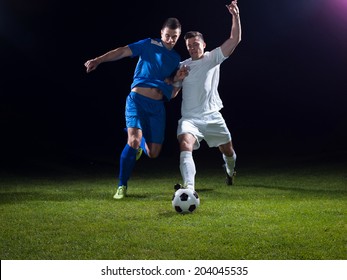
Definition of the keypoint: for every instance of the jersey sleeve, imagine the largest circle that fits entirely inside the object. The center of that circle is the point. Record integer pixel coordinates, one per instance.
(137, 47)
(217, 55)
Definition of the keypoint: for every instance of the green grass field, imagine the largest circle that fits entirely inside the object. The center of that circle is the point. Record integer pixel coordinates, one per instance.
(292, 210)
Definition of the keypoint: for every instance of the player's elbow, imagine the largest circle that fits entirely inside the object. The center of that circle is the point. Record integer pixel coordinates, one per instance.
(239, 39)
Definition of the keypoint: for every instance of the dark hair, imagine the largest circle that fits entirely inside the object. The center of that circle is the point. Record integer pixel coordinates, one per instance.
(172, 23)
(192, 34)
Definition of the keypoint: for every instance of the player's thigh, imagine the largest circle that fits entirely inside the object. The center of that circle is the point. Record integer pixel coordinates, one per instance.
(191, 131)
(217, 132)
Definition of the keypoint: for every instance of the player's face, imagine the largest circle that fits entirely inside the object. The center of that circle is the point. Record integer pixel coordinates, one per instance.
(170, 37)
(195, 47)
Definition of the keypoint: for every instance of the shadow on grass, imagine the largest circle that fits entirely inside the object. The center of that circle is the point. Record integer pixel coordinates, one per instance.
(19, 197)
(138, 196)
(173, 213)
(61, 196)
(205, 190)
(300, 190)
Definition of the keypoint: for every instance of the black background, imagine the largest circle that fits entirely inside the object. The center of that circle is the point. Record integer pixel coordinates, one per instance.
(284, 88)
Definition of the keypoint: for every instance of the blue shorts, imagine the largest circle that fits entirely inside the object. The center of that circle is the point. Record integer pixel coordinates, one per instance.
(146, 114)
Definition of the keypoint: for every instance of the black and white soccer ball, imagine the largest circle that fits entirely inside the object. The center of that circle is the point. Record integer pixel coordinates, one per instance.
(185, 201)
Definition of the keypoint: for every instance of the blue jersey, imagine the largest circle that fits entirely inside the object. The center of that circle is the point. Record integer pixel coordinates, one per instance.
(155, 64)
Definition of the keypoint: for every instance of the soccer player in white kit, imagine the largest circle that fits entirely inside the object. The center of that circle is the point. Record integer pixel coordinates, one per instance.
(201, 103)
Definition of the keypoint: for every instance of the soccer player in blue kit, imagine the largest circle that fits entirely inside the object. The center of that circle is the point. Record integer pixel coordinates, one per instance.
(145, 111)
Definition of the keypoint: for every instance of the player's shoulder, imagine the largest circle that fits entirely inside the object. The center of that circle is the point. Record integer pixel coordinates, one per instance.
(144, 40)
(139, 43)
(215, 51)
(155, 42)
(215, 55)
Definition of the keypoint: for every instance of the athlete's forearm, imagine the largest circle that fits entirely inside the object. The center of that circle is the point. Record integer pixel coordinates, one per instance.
(114, 55)
(235, 34)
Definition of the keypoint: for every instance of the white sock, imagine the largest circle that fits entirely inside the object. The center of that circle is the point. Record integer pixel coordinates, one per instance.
(187, 168)
(230, 163)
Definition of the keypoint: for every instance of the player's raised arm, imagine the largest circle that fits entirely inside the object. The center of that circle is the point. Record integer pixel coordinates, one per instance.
(112, 55)
(235, 35)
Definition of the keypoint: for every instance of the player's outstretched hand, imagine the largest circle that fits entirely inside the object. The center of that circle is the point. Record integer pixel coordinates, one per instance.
(91, 65)
(233, 8)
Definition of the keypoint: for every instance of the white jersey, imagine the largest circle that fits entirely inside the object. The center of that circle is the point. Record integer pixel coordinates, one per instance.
(202, 98)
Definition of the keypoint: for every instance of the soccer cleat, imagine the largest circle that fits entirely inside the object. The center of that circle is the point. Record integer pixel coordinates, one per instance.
(121, 192)
(178, 186)
(229, 180)
(139, 153)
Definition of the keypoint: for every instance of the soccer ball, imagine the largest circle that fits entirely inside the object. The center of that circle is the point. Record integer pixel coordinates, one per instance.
(185, 201)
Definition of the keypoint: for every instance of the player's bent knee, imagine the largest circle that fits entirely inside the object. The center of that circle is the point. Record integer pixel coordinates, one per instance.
(153, 154)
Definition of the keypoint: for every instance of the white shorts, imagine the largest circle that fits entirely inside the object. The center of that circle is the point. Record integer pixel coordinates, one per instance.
(211, 128)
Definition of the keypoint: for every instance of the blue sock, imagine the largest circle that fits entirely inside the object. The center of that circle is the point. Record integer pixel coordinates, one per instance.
(127, 163)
